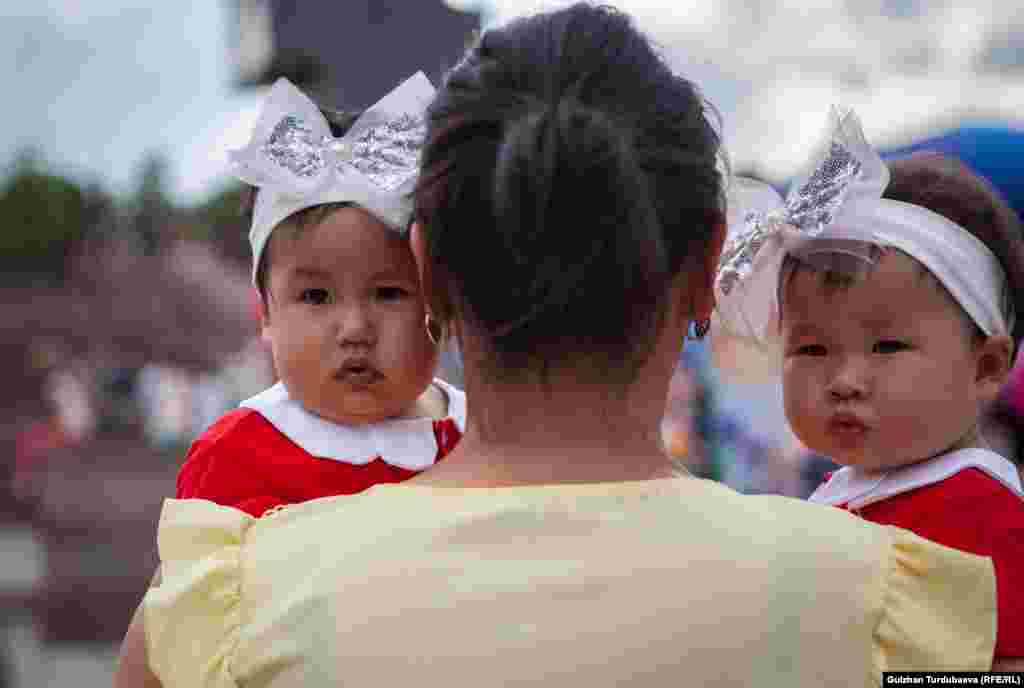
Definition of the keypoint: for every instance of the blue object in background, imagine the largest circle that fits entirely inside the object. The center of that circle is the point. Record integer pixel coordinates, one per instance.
(995, 152)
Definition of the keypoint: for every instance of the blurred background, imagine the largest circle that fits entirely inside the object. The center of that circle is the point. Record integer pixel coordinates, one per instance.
(128, 322)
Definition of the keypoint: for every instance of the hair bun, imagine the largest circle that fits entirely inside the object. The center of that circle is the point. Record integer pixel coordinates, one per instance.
(571, 202)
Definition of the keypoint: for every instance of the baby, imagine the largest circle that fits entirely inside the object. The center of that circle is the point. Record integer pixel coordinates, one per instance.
(894, 292)
(342, 311)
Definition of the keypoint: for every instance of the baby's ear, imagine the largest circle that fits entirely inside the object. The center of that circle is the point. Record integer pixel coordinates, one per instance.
(994, 358)
(418, 244)
(263, 313)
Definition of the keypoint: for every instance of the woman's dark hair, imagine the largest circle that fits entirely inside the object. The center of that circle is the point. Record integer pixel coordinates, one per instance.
(950, 188)
(568, 177)
(340, 121)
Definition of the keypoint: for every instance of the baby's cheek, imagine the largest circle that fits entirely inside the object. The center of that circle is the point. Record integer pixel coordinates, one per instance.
(899, 387)
(797, 405)
(798, 384)
(410, 346)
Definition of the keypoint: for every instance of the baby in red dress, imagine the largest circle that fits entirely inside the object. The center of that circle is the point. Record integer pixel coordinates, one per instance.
(894, 291)
(342, 311)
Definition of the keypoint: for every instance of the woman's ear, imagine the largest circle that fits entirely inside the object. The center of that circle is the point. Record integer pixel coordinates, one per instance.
(701, 280)
(994, 359)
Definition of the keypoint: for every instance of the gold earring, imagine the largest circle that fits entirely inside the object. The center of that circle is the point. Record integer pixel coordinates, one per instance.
(435, 330)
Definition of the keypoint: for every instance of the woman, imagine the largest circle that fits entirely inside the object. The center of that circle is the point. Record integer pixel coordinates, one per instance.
(570, 220)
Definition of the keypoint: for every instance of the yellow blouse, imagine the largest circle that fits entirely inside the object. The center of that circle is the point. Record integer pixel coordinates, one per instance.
(660, 583)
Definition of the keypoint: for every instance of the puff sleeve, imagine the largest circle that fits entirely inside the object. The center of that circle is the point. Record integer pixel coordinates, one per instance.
(938, 608)
(193, 618)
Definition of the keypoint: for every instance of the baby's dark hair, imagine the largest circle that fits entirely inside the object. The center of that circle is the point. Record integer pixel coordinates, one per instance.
(949, 188)
(568, 177)
(340, 121)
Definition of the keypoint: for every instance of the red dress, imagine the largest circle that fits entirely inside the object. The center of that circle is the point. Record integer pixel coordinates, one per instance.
(271, 452)
(970, 500)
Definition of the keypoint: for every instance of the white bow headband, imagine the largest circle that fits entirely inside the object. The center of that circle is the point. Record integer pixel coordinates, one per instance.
(841, 198)
(297, 164)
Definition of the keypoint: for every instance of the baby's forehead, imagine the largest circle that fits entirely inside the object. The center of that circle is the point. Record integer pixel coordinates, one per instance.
(893, 284)
(347, 240)
(884, 267)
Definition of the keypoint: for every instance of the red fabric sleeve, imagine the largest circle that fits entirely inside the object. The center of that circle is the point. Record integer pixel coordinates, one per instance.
(973, 512)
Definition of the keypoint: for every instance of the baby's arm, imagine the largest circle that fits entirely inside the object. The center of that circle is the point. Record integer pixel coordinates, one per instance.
(132, 665)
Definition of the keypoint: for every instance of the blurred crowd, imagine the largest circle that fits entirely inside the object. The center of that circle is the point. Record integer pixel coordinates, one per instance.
(162, 403)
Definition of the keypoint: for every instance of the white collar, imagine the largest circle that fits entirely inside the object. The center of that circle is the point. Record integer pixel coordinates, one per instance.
(407, 443)
(857, 488)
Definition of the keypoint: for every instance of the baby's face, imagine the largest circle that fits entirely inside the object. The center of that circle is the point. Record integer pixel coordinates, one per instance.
(345, 319)
(879, 373)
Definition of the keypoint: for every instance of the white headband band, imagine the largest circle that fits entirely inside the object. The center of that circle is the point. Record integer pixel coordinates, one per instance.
(297, 164)
(840, 198)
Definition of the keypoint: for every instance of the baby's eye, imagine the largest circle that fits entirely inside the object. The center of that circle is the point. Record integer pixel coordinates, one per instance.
(316, 297)
(890, 346)
(391, 293)
(810, 350)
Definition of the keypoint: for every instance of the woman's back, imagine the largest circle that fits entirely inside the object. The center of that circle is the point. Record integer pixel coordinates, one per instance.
(647, 583)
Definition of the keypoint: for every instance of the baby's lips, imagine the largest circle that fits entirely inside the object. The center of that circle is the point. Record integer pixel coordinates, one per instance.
(358, 372)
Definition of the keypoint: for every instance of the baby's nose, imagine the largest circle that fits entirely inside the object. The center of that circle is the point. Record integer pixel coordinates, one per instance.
(355, 326)
(850, 380)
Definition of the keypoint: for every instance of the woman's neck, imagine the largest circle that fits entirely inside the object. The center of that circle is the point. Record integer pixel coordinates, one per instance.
(560, 432)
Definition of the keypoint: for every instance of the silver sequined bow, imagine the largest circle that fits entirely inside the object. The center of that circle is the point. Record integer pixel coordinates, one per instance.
(293, 152)
(388, 154)
(843, 169)
(808, 209)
